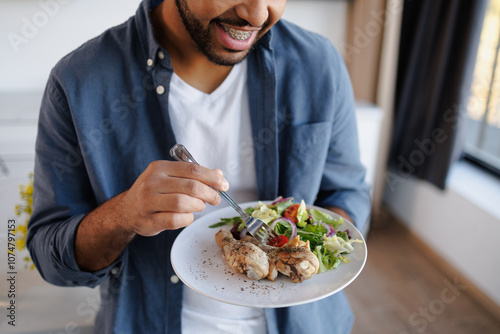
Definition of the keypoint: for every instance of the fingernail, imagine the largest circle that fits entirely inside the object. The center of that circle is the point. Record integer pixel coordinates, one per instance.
(225, 185)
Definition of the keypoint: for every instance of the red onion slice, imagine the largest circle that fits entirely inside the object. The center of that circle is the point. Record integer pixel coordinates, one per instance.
(280, 199)
(243, 233)
(238, 235)
(329, 228)
(286, 221)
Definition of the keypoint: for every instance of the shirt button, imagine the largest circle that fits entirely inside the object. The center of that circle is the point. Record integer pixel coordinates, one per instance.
(150, 62)
(160, 90)
(115, 270)
(174, 279)
(161, 55)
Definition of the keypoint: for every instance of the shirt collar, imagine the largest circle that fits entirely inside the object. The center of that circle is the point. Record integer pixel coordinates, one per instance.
(153, 52)
(265, 41)
(155, 3)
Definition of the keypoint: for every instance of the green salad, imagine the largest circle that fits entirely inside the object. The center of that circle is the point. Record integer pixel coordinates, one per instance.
(289, 219)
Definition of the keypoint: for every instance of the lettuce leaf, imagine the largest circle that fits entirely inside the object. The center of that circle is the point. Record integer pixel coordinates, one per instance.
(302, 214)
(265, 213)
(320, 216)
(283, 229)
(313, 233)
(335, 243)
(282, 206)
(225, 221)
(327, 259)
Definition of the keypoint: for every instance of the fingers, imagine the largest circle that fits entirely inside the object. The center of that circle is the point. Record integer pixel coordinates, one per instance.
(173, 221)
(179, 203)
(210, 177)
(162, 221)
(189, 187)
(167, 193)
(188, 179)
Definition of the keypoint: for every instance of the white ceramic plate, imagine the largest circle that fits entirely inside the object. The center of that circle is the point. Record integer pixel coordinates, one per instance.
(201, 265)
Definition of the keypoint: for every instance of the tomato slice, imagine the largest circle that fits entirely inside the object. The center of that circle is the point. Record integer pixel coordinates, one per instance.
(282, 240)
(291, 212)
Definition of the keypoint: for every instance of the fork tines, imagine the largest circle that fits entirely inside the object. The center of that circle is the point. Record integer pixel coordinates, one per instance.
(267, 234)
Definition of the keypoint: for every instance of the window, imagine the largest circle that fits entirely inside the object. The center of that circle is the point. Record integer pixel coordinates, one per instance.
(482, 138)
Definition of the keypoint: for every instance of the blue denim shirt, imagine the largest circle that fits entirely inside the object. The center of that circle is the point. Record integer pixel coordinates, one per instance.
(104, 118)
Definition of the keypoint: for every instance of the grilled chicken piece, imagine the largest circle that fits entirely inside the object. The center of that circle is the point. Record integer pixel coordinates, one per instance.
(243, 257)
(294, 259)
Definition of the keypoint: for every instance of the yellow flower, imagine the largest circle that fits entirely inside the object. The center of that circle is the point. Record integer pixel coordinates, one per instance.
(26, 208)
(29, 189)
(21, 244)
(22, 229)
(18, 210)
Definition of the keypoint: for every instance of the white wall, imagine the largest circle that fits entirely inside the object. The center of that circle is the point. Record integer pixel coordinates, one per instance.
(35, 34)
(328, 18)
(461, 224)
(67, 25)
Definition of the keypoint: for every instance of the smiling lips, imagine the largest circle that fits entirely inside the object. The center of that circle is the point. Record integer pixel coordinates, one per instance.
(234, 39)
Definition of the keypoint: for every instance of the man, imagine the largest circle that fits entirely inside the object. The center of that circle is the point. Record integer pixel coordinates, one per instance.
(265, 101)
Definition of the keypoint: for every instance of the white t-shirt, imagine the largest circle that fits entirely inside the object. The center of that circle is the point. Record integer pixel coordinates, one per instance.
(215, 128)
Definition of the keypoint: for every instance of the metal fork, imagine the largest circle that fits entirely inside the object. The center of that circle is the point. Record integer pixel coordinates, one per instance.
(256, 227)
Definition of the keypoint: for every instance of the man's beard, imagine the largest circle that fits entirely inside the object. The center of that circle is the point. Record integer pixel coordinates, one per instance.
(202, 37)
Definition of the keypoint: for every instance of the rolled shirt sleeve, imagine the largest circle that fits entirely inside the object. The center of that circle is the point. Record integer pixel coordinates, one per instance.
(62, 196)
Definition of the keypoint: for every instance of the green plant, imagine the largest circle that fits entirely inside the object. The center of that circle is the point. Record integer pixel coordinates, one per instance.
(24, 209)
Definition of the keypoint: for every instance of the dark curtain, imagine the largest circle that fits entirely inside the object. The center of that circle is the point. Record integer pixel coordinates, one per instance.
(439, 42)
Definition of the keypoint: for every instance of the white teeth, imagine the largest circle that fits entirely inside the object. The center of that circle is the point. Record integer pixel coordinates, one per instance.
(237, 34)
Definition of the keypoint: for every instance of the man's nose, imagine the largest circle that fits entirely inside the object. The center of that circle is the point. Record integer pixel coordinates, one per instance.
(254, 11)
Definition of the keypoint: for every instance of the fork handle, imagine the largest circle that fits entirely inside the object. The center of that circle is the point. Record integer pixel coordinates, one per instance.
(179, 152)
(235, 206)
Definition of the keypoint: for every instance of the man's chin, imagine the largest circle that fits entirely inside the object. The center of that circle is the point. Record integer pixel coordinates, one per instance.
(228, 58)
